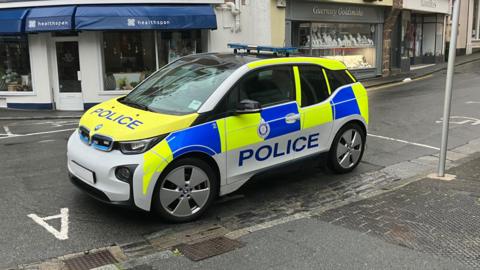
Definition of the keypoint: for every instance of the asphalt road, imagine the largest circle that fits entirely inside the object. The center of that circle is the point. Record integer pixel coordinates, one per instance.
(34, 177)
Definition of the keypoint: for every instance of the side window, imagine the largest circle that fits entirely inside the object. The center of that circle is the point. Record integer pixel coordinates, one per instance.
(268, 86)
(338, 78)
(314, 87)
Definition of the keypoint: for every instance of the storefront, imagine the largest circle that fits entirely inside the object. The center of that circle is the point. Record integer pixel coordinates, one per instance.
(72, 57)
(423, 30)
(350, 33)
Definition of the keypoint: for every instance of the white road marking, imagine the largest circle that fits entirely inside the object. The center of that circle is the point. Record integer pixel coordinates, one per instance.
(472, 102)
(63, 216)
(39, 133)
(461, 120)
(7, 131)
(403, 141)
(269, 224)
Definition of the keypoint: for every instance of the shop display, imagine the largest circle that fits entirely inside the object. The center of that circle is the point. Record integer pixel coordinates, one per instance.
(353, 44)
(326, 40)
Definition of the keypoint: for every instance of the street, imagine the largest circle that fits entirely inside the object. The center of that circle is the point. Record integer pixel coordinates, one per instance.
(405, 123)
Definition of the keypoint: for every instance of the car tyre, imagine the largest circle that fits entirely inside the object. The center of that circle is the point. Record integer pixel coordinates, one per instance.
(185, 190)
(347, 149)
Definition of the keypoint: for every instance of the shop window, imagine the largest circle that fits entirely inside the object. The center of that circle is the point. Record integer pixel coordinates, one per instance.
(353, 44)
(129, 57)
(173, 45)
(314, 85)
(476, 20)
(15, 74)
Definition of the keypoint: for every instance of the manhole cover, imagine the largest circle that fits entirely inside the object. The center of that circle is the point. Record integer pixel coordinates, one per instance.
(91, 260)
(209, 248)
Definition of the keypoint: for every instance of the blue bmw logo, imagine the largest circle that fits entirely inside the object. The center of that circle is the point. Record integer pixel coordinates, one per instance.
(98, 127)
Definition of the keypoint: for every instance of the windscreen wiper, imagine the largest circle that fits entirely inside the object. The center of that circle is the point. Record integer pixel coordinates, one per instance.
(135, 105)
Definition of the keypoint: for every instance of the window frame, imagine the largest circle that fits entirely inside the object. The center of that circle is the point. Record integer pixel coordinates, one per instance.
(327, 83)
(230, 111)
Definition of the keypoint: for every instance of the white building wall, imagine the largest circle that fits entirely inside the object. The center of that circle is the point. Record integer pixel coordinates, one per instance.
(254, 26)
(91, 67)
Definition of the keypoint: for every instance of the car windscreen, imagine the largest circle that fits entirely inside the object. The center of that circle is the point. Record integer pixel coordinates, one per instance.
(182, 86)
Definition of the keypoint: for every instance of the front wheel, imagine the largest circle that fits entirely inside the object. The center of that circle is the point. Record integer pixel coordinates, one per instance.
(347, 148)
(185, 190)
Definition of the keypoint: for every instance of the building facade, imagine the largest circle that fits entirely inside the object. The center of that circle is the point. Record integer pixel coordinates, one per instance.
(71, 55)
(419, 34)
(349, 31)
(468, 39)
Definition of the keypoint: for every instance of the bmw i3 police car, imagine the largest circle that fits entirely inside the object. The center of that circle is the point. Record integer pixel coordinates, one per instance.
(203, 125)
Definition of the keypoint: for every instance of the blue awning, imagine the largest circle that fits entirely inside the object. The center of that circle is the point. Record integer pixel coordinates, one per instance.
(49, 19)
(11, 20)
(138, 17)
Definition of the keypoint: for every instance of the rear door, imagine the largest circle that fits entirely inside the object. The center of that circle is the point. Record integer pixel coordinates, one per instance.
(256, 141)
(315, 108)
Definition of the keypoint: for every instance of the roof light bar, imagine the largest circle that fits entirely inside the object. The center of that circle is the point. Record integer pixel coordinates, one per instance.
(275, 50)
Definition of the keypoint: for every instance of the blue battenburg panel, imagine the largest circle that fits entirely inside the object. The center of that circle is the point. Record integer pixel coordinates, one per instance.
(204, 138)
(346, 109)
(343, 94)
(138, 17)
(11, 20)
(344, 103)
(275, 117)
(50, 19)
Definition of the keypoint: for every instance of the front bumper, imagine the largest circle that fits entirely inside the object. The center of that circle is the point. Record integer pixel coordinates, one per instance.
(107, 188)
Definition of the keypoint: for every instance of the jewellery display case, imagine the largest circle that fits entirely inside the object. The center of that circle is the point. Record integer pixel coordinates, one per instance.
(353, 44)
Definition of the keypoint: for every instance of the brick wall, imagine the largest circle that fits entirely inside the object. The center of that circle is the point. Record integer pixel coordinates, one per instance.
(390, 20)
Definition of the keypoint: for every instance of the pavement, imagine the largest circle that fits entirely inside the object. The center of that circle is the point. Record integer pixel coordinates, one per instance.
(402, 147)
(16, 114)
(425, 224)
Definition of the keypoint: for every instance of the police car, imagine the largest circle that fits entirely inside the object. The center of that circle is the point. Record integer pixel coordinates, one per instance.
(205, 124)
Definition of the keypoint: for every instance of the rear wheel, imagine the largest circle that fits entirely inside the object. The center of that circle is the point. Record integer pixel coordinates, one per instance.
(185, 190)
(347, 148)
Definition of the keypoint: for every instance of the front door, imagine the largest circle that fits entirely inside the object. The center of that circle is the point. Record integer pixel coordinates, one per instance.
(68, 85)
(256, 141)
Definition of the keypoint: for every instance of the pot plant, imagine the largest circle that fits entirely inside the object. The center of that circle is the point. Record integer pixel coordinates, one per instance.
(11, 78)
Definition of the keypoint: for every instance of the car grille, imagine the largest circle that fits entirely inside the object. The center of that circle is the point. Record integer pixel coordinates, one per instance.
(100, 142)
(84, 134)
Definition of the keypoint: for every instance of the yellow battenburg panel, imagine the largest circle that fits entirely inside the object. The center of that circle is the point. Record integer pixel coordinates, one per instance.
(125, 123)
(317, 115)
(327, 81)
(242, 130)
(298, 85)
(362, 99)
(221, 131)
(154, 161)
(328, 63)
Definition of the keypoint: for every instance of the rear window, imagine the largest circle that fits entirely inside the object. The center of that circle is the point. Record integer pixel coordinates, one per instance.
(338, 78)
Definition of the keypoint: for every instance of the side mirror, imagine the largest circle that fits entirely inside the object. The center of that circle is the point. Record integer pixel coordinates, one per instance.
(248, 106)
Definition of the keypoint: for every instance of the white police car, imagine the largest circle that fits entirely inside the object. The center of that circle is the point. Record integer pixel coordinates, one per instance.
(203, 125)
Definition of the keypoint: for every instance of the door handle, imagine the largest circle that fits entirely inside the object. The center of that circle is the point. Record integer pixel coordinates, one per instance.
(292, 118)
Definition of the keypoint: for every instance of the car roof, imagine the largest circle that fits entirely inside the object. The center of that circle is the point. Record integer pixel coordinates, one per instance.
(237, 60)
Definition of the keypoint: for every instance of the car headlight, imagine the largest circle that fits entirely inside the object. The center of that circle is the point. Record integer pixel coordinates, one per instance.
(140, 146)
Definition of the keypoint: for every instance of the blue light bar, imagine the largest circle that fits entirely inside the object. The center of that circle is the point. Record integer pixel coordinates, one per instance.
(275, 50)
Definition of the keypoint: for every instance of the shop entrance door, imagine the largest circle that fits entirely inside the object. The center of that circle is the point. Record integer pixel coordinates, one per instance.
(68, 92)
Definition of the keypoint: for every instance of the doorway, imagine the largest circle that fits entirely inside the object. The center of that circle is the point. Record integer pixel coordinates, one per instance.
(67, 77)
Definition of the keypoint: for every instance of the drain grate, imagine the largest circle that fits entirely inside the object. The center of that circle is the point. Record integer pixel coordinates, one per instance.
(209, 248)
(91, 260)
